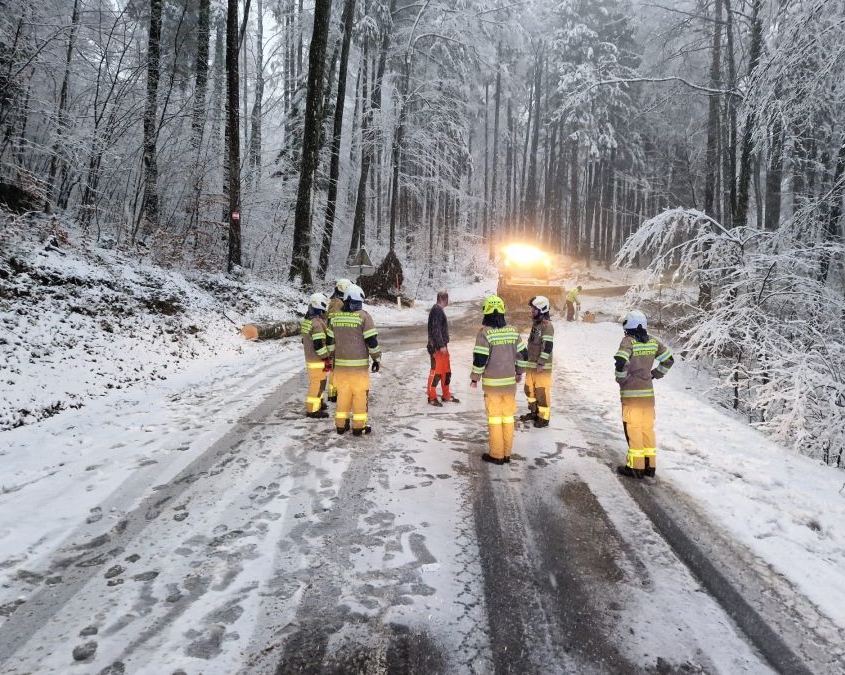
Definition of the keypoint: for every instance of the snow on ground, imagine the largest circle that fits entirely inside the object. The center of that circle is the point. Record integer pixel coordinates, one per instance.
(75, 474)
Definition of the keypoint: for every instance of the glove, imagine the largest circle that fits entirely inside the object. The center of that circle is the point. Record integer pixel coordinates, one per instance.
(473, 385)
(327, 365)
(375, 367)
(655, 374)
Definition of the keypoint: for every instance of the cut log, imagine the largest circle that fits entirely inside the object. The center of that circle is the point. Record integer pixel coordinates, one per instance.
(270, 331)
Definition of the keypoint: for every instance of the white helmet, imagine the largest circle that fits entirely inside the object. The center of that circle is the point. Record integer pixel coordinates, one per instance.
(540, 302)
(353, 292)
(634, 319)
(319, 301)
(341, 285)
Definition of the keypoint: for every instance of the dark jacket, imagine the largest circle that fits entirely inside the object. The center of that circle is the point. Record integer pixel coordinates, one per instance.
(438, 329)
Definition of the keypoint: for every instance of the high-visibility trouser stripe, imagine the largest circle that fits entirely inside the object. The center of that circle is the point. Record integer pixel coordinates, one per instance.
(544, 413)
(494, 420)
(649, 452)
(637, 393)
(665, 355)
(359, 417)
(498, 381)
(370, 333)
(622, 355)
(351, 363)
(508, 419)
(635, 459)
(341, 415)
(315, 364)
(313, 403)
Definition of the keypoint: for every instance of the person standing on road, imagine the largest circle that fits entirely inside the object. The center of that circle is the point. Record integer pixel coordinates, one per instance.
(335, 306)
(317, 360)
(498, 359)
(353, 337)
(538, 374)
(572, 303)
(438, 351)
(635, 373)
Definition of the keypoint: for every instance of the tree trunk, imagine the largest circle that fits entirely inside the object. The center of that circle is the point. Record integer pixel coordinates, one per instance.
(300, 265)
(774, 177)
(574, 207)
(712, 160)
(233, 135)
(199, 113)
(740, 213)
(62, 112)
(485, 222)
(150, 121)
(729, 161)
(255, 117)
(397, 148)
(334, 168)
(495, 180)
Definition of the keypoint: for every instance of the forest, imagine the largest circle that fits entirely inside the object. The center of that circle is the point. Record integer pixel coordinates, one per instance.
(700, 140)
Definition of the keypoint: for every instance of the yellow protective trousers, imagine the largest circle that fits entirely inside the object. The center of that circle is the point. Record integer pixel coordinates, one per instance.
(316, 385)
(353, 386)
(538, 391)
(638, 422)
(501, 409)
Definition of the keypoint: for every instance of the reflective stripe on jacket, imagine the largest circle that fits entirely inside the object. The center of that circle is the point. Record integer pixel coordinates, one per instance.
(313, 331)
(635, 366)
(498, 356)
(354, 338)
(540, 343)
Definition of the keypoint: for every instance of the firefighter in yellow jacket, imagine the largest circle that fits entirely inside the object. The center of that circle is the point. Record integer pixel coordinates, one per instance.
(354, 339)
(317, 361)
(335, 306)
(635, 372)
(538, 374)
(498, 360)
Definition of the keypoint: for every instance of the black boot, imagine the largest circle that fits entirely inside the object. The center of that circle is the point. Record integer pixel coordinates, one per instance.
(540, 423)
(362, 432)
(324, 405)
(628, 471)
(649, 470)
(487, 457)
(507, 459)
(343, 429)
(435, 402)
(319, 414)
(530, 416)
(332, 398)
(451, 399)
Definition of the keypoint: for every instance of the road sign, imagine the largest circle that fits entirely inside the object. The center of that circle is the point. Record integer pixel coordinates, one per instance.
(363, 263)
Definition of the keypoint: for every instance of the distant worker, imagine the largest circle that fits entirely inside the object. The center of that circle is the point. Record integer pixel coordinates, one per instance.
(634, 373)
(499, 359)
(335, 306)
(572, 303)
(353, 336)
(317, 360)
(538, 374)
(438, 351)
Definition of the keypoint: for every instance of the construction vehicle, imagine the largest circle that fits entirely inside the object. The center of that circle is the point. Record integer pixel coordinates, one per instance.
(526, 271)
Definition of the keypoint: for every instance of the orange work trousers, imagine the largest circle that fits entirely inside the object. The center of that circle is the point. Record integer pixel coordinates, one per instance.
(638, 422)
(538, 391)
(316, 385)
(441, 373)
(501, 409)
(353, 387)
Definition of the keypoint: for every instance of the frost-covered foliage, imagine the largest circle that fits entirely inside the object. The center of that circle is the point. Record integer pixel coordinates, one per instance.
(765, 315)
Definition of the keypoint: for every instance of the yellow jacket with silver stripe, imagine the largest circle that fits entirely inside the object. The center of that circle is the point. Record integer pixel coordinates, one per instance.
(498, 356)
(353, 337)
(313, 331)
(635, 367)
(540, 343)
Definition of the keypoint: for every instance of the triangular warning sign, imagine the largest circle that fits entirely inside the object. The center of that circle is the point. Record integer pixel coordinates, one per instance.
(362, 259)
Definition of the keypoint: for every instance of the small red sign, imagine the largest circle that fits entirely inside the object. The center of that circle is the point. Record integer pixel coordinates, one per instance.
(236, 215)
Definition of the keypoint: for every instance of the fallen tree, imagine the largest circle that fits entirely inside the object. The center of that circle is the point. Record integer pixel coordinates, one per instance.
(270, 331)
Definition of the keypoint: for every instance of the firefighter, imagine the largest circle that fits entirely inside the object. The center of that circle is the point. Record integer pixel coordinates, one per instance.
(317, 361)
(499, 359)
(353, 337)
(572, 303)
(438, 351)
(635, 370)
(335, 305)
(538, 374)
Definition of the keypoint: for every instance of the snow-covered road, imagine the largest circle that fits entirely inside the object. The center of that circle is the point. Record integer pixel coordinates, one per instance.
(204, 525)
